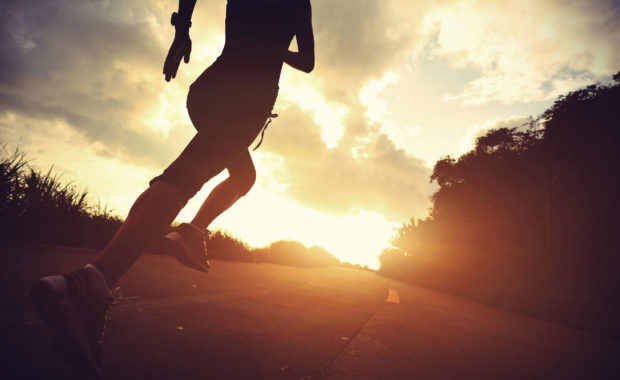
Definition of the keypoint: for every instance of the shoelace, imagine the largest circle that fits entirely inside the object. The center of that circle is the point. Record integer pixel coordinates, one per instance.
(262, 135)
(116, 297)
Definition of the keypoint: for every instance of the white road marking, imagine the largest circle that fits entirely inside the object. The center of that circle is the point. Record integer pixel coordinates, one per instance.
(392, 296)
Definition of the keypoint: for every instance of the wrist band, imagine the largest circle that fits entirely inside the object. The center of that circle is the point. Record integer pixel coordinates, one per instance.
(176, 20)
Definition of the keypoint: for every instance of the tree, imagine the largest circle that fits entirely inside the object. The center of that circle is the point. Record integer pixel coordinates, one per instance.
(538, 204)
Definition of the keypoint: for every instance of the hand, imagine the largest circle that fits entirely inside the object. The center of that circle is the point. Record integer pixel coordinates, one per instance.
(181, 48)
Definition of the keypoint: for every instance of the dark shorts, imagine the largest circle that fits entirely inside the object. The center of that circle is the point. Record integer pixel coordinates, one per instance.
(228, 116)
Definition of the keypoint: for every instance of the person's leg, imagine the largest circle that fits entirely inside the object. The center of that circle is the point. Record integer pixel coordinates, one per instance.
(242, 176)
(203, 158)
(75, 304)
(149, 216)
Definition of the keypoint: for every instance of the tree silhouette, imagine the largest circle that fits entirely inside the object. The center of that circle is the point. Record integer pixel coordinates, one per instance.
(531, 207)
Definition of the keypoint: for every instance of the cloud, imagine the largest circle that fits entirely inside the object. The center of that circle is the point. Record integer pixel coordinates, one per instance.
(365, 171)
(96, 65)
(526, 51)
(93, 65)
(359, 40)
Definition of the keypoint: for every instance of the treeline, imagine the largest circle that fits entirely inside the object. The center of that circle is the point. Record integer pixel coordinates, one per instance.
(38, 207)
(528, 219)
(223, 246)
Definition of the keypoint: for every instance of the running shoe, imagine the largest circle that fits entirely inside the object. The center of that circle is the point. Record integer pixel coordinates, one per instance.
(75, 305)
(188, 245)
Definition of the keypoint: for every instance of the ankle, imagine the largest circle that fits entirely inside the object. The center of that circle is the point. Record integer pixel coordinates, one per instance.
(97, 284)
(199, 224)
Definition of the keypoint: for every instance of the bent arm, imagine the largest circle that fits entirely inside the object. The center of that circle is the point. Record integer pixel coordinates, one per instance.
(304, 59)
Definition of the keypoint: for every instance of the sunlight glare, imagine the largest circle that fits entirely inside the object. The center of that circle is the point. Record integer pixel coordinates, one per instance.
(328, 115)
(263, 217)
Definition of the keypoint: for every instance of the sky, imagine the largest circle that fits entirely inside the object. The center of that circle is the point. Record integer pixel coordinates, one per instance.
(398, 84)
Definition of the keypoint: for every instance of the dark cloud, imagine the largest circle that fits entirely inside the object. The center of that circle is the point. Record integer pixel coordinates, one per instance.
(76, 61)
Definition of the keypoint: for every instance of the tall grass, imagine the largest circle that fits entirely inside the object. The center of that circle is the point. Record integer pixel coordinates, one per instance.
(39, 207)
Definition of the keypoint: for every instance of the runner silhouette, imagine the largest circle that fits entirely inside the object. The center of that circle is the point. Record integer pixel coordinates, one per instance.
(229, 105)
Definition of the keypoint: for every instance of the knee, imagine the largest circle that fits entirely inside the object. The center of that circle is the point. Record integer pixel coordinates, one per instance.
(244, 182)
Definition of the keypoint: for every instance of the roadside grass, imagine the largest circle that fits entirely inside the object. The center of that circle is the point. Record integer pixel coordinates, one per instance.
(40, 207)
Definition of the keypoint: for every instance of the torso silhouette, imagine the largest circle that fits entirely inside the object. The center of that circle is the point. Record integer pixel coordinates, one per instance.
(258, 34)
(236, 94)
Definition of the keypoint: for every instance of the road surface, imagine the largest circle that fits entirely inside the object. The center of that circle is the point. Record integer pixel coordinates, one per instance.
(264, 321)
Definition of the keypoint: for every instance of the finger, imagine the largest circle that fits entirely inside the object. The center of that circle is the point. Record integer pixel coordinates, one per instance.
(166, 75)
(175, 66)
(189, 51)
(167, 70)
(167, 63)
(172, 61)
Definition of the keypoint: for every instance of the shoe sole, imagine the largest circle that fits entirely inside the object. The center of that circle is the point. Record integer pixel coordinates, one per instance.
(182, 252)
(51, 299)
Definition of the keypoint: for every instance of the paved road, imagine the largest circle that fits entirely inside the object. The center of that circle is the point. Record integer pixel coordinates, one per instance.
(248, 321)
